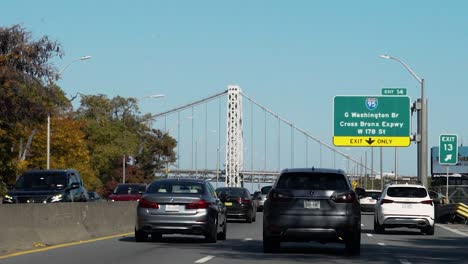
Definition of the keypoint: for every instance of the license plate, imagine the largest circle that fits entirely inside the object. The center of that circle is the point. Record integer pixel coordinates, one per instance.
(172, 208)
(228, 204)
(406, 206)
(312, 204)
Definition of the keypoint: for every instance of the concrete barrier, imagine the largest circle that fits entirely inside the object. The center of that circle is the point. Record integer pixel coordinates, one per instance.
(24, 226)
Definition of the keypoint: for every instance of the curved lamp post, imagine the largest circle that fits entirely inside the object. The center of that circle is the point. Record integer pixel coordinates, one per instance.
(421, 137)
(124, 159)
(48, 116)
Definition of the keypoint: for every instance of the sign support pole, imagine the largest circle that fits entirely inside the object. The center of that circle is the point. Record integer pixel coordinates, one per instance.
(447, 192)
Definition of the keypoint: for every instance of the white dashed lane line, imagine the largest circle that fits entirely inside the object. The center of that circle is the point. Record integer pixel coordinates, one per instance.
(404, 261)
(369, 235)
(205, 259)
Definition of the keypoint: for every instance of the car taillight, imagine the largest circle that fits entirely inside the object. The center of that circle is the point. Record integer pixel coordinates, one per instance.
(384, 201)
(245, 201)
(427, 202)
(202, 204)
(278, 197)
(143, 203)
(349, 197)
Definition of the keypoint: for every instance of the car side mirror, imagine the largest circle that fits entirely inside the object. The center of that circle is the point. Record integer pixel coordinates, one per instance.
(360, 192)
(74, 186)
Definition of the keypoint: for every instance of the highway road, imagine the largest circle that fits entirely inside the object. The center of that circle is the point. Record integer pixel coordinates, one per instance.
(244, 245)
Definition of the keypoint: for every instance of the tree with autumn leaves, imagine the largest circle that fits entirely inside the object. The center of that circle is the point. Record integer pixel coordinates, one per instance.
(93, 139)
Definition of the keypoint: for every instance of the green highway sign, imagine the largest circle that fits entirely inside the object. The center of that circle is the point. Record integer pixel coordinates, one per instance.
(448, 149)
(371, 121)
(394, 91)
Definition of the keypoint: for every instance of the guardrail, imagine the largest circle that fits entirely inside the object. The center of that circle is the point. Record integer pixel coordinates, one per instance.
(462, 210)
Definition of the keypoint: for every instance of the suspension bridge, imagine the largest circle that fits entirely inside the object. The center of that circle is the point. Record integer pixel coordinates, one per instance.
(231, 137)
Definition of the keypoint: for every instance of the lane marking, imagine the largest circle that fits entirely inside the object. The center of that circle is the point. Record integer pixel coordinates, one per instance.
(452, 230)
(404, 261)
(362, 224)
(205, 259)
(369, 235)
(248, 239)
(63, 245)
(381, 244)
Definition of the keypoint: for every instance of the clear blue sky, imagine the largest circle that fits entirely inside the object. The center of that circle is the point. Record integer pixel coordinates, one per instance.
(292, 56)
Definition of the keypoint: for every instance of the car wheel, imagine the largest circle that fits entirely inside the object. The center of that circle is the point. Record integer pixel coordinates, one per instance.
(140, 236)
(222, 235)
(378, 229)
(271, 245)
(428, 230)
(212, 234)
(249, 218)
(353, 242)
(155, 237)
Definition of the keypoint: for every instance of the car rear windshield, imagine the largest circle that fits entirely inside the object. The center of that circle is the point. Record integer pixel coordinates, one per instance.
(410, 192)
(231, 192)
(312, 181)
(46, 180)
(266, 189)
(129, 189)
(177, 187)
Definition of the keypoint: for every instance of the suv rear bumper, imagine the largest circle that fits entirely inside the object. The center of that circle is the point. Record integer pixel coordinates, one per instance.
(417, 222)
(310, 228)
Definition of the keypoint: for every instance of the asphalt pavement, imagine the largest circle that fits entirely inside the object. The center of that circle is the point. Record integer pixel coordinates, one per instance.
(244, 246)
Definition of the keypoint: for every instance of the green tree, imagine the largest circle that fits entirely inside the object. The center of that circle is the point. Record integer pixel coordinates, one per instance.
(116, 128)
(27, 93)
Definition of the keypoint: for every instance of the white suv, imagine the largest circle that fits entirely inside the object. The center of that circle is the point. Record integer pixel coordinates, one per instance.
(404, 205)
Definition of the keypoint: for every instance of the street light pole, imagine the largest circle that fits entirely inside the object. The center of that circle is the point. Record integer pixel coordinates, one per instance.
(48, 116)
(421, 137)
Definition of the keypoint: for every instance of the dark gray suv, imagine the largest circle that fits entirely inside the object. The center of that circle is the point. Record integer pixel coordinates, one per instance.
(308, 204)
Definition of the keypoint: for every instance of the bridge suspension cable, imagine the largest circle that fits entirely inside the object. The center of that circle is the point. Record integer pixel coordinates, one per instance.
(305, 133)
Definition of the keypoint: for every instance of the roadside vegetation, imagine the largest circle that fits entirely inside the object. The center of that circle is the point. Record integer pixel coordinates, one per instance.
(93, 138)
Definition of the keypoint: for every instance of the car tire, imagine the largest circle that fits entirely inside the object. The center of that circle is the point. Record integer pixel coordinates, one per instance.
(271, 245)
(378, 229)
(156, 237)
(428, 230)
(212, 234)
(222, 235)
(249, 218)
(140, 236)
(353, 242)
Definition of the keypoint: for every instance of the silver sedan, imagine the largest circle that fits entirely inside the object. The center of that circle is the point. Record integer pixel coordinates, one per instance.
(180, 206)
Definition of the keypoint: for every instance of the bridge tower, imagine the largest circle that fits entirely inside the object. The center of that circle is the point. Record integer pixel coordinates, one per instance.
(234, 143)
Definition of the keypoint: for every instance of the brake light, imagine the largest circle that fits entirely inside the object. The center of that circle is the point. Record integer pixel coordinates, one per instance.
(148, 204)
(202, 204)
(427, 202)
(277, 197)
(344, 198)
(384, 201)
(245, 201)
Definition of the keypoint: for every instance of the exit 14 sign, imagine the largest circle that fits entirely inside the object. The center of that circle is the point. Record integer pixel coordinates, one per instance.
(448, 149)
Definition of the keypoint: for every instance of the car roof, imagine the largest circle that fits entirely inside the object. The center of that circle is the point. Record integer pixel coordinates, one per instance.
(131, 184)
(181, 180)
(49, 171)
(314, 170)
(406, 185)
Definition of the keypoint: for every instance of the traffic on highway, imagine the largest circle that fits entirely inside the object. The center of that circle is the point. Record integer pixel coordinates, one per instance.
(309, 215)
